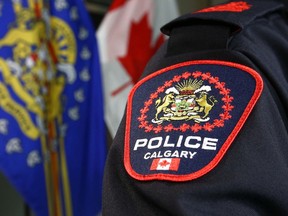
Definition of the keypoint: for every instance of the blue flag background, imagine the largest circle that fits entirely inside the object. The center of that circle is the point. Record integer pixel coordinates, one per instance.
(52, 134)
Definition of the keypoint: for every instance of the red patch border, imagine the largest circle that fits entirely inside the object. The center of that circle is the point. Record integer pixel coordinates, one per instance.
(225, 146)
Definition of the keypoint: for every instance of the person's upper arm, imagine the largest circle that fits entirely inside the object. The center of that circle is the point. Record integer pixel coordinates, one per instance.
(205, 131)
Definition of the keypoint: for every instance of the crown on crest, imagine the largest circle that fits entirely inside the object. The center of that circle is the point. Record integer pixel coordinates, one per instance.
(188, 87)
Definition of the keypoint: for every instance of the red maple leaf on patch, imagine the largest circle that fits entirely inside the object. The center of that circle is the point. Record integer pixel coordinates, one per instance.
(220, 85)
(161, 89)
(148, 128)
(184, 127)
(196, 74)
(227, 107)
(158, 129)
(196, 127)
(143, 124)
(225, 116)
(168, 128)
(140, 49)
(176, 78)
(148, 103)
(206, 76)
(186, 75)
(219, 123)
(154, 95)
(213, 80)
(227, 99)
(142, 118)
(144, 110)
(168, 83)
(224, 91)
(208, 127)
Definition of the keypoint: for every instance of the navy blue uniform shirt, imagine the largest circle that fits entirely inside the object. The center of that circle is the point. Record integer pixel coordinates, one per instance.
(206, 130)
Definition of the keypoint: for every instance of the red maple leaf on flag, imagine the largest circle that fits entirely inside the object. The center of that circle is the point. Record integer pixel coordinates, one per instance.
(164, 163)
(140, 48)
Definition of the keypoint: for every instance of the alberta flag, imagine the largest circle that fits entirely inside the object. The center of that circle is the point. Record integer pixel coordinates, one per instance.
(128, 37)
(52, 137)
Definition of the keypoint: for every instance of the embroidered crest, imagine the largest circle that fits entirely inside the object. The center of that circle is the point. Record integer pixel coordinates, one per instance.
(182, 119)
(181, 102)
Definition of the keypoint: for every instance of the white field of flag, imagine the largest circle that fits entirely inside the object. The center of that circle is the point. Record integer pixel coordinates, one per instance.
(114, 37)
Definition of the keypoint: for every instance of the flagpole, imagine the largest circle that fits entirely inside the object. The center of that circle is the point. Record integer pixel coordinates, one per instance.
(59, 159)
(55, 167)
(48, 176)
(50, 150)
(64, 171)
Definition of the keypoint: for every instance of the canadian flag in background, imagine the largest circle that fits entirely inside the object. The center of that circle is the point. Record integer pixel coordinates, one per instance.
(165, 164)
(128, 37)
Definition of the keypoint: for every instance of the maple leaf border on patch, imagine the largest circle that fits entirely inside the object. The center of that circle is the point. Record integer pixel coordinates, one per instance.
(224, 116)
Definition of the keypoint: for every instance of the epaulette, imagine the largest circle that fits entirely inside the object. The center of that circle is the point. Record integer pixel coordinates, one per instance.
(237, 14)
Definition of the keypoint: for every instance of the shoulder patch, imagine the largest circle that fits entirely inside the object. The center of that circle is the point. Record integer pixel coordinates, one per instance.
(182, 119)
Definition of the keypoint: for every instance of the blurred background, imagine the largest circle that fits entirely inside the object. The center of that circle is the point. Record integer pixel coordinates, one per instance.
(11, 204)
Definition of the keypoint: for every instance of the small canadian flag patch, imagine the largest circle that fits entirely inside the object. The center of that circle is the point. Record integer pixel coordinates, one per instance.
(165, 164)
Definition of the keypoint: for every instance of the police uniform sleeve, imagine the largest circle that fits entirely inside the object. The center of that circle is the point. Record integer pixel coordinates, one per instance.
(205, 129)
